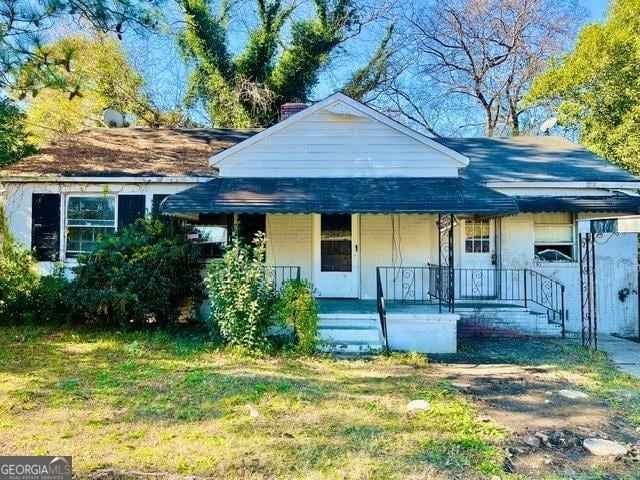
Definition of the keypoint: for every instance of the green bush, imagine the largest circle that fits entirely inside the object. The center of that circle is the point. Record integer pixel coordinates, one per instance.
(147, 274)
(242, 295)
(44, 304)
(297, 307)
(17, 267)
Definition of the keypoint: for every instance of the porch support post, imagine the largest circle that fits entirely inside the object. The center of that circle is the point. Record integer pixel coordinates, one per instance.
(451, 265)
(440, 279)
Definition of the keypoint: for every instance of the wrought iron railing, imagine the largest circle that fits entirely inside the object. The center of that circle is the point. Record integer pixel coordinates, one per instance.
(431, 284)
(382, 311)
(280, 274)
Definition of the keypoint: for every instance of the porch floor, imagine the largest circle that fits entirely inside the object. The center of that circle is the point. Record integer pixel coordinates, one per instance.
(356, 306)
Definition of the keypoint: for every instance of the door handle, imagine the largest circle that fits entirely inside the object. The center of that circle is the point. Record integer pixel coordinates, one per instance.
(356, 248)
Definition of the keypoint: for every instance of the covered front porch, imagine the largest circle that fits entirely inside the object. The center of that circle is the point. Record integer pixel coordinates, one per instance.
(383, 254)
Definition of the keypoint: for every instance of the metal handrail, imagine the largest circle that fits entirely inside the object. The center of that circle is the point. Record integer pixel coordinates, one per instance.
(426, 285)
(282, 273)
(382, 311)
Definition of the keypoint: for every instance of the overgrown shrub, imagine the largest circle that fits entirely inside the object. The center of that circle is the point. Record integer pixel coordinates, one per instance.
(147, 274)
(242, 294)
(17, 268)
(44, 304)
(297, 307)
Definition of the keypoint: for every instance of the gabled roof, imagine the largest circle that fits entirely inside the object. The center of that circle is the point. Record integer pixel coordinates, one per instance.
(534, 159)
(130, 152)
(344, 105)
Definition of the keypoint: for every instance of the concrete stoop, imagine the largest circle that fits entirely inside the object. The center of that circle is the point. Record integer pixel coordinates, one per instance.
(349, 333)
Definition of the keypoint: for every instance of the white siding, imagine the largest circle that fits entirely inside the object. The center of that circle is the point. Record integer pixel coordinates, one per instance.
(326, 144)
(17, 201)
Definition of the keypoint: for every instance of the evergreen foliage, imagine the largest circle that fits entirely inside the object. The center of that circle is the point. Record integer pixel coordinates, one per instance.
(274, 66)
(14, 141)
(596, 88)
(146, 275)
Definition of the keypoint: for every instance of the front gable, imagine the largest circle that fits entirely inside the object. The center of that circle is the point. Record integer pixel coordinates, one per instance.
(339, 137)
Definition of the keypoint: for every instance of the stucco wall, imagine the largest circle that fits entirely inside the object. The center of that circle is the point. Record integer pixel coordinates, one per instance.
(616, 268)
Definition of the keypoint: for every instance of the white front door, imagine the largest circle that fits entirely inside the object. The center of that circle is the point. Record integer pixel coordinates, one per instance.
(477, 279)
(336, 257)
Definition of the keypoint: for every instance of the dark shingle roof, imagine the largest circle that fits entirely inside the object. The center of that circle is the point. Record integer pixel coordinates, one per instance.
(137, 152)
(533, 159)
(600, 204)
(339, 195)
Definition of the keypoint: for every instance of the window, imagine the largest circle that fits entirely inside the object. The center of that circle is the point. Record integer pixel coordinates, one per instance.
(553, 237)
(477, 236)
(335, 243)
(88, 219)
(211, 238)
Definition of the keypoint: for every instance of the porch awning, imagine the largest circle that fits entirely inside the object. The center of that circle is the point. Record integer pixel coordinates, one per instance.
(339, 195)
(607, 203)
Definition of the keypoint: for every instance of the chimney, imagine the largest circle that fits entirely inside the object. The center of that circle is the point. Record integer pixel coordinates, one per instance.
(288, 109)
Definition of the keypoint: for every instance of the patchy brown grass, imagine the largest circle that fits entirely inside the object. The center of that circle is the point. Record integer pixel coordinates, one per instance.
(157, 403)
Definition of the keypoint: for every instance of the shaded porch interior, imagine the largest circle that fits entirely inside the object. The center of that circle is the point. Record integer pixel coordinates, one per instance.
(329, 306)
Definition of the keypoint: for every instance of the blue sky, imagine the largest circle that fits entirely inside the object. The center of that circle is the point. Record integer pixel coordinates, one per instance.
(157, 57)
(597, 8)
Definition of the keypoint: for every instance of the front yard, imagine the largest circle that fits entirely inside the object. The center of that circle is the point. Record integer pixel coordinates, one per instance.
(154, 403)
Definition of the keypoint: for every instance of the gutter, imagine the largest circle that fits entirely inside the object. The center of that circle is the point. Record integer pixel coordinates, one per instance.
(104, 179)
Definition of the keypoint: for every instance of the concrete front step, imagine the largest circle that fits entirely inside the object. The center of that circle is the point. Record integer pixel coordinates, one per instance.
(351, 348)
(349, 333)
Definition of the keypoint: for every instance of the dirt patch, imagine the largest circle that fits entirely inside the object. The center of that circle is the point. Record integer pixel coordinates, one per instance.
(546, 429)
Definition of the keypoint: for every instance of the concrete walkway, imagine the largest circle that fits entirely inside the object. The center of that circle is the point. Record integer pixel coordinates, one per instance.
(624, 353)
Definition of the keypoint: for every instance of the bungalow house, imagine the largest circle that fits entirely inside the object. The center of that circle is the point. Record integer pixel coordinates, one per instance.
(407, 239)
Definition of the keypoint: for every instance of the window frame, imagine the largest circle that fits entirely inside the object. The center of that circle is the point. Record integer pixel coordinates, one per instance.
(72, 255)
(195, 232)
(550, 245)
(480, 240)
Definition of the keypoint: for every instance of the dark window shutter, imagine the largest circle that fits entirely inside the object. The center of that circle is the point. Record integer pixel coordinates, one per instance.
(45, 226)
(130, 209)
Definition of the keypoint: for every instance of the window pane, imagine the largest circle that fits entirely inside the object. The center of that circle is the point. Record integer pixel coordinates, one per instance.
(553, 233)
(554, 253)
(335, 243)
(83, 239)
(477, 235)
(91, 211)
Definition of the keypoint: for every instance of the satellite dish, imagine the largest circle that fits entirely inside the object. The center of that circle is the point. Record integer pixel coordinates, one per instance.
(113, 118)
(548, 125)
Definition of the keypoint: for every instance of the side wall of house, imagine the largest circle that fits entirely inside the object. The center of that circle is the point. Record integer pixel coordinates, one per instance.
(616, 269)
(18, 203)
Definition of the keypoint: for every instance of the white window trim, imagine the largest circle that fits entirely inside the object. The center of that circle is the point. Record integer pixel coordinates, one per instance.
(572, 243)
(473, 238)
(63, 218)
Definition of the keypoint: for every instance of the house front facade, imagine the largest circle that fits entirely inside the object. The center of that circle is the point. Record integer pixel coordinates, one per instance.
(408, 240)
(476, 231)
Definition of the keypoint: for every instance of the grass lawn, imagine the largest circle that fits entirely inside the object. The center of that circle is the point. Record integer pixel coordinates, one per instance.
(154, 403)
